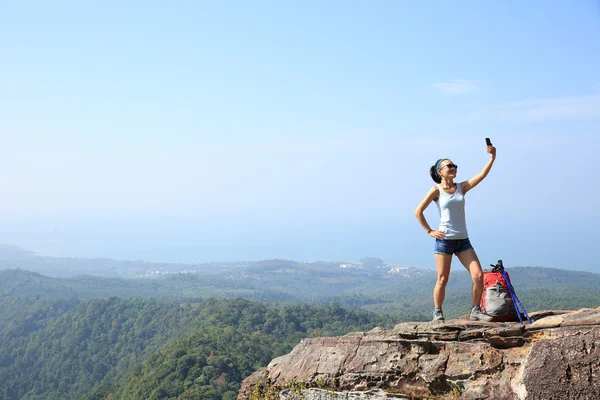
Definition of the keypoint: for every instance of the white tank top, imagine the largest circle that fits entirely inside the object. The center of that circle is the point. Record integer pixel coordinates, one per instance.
(452, 213)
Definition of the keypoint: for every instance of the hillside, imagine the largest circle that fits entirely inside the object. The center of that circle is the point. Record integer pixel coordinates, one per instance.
(406, 293)
(88, 337)
(57, 349)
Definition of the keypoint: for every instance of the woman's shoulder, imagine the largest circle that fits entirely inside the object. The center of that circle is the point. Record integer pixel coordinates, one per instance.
(434, 192)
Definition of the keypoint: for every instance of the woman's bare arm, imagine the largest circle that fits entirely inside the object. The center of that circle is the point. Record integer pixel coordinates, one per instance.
(429, 197)
(474, 181)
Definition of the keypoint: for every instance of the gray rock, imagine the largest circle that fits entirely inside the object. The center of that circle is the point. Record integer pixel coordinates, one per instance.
(557, 356)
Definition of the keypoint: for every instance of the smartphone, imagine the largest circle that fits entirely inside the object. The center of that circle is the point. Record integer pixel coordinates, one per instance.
(488, 142)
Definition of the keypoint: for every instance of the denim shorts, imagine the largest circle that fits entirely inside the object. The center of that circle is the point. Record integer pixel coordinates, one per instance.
(451, 246)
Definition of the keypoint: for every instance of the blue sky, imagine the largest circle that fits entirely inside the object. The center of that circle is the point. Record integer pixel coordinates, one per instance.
(196, 131)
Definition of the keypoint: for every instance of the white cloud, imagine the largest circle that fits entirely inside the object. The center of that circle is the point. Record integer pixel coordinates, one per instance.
(545, 109)
(457, 86)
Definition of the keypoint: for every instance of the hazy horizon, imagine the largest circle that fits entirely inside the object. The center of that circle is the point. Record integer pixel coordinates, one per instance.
(224, 254)
(300, 130)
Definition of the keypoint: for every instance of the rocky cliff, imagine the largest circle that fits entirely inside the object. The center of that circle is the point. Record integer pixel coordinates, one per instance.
(555, 357)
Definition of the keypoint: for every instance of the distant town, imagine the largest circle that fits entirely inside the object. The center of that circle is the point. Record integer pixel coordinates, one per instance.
(158, 270)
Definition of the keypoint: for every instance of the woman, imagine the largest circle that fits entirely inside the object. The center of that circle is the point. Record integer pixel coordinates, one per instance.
(451, 237)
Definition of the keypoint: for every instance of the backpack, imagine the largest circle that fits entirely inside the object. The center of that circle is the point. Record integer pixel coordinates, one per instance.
(496, 299)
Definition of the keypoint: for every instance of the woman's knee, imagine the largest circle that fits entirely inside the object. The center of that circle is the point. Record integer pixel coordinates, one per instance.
(477, 275)
(442, 280)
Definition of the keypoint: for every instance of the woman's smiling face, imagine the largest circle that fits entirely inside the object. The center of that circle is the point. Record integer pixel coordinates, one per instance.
(447, 169)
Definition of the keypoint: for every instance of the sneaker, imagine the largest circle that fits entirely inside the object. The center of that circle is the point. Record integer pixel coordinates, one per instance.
(479, 315)
(438, 315)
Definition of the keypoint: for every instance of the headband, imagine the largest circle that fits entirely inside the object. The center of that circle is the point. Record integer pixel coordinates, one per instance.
(437, 165)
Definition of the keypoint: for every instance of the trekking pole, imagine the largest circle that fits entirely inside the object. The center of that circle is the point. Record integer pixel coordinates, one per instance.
(523, 308)
(512, 289)
(512, 295)
(516, 300)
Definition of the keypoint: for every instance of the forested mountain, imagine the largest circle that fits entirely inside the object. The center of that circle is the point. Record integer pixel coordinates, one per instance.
(137, 348)
(407, 294)
(193, 336)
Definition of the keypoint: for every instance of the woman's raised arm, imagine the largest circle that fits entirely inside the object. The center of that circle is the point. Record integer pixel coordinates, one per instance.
(474, 181)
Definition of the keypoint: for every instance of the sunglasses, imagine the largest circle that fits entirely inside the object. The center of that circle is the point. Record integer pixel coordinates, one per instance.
(450, 166)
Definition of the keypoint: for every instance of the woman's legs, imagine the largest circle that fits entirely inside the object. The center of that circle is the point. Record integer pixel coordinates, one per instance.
(442, 263)
(469, 260)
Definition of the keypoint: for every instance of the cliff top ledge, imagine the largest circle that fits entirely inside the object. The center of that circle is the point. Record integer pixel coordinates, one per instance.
(557, 356)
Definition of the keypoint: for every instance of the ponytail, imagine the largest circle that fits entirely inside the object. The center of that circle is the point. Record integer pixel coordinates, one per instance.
(433, 171)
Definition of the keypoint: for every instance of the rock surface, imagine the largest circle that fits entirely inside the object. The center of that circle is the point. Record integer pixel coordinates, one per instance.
(557, 357)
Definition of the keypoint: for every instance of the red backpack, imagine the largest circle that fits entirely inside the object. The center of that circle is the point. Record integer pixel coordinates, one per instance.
(496, 299)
